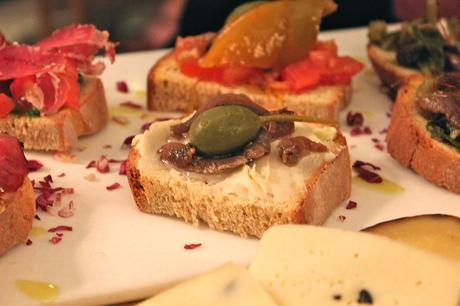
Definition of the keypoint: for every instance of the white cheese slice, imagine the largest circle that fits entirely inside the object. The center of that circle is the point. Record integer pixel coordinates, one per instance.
(229, 285)
(306, 265)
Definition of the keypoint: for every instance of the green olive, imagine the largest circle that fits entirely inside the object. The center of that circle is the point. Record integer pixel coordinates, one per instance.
(224, 129)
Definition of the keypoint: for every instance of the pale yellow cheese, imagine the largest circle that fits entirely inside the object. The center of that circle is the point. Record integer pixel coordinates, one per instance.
(229, 285)
(306, 265)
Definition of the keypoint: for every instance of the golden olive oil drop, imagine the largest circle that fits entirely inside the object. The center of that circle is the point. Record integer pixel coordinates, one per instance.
(386, 186)
(40, 291)
(37, 231)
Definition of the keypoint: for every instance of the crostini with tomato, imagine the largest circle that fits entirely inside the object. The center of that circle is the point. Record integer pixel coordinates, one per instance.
(49, 92)
(267, 50)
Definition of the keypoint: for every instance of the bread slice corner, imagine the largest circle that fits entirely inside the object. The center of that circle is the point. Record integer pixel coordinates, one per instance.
(17, 211)
(60, 131)
(168, 89)
(410, 142)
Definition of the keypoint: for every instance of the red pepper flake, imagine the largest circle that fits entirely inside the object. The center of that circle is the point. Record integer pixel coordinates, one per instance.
(34, 165)
(60, 228)
(351, 205)
(356, 131)
(379, 147)
(59, 234)
(383, 131)
(131, 104)
(361, 164)
(29, 242)
(342, 218)
(102, 165)
(146, 126)
(355, 119)
(48, 178)
(122, 170)
(363, 172)
(91, 164)
(55, 240)
(113, 186)
(107, 146)
(112, 160)
(376, 140)
(37, 217)
(127, 142)
(367, 130)
(61, 175)
(388, 114)
(122, 86)
(192, 246)
(42, 201)
(68, 211)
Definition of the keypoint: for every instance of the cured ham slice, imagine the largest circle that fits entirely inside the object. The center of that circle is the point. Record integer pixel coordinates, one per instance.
(46, 74)
(18, 61)
(80, 43)
(13, 164)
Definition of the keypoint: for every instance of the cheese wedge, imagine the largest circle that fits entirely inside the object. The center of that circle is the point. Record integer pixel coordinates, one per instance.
(306, 265)
(229, 285)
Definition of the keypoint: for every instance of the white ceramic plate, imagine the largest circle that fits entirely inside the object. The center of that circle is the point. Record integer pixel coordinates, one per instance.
(116, 253)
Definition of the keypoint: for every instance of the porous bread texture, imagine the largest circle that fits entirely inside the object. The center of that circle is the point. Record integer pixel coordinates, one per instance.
(390, 73)
(17, 210)
(325, 188)
(60, 131)
(410, 142)
(168, 89)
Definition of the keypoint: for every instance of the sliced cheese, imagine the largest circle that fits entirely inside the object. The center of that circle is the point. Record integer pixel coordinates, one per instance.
(229, 285)
(306, 265)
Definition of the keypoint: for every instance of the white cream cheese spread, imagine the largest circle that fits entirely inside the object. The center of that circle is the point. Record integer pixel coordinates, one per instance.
(266, 178)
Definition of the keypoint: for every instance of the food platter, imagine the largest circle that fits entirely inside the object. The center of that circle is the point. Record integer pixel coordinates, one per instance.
(115, 253)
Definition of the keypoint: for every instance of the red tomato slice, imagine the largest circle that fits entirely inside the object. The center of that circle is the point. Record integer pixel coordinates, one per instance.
(190, 67)
(6, 105)
(320, 67)
(300, 76)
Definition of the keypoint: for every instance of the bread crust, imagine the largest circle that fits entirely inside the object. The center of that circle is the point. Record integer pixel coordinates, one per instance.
(390, 73)
(60, 131)
(325, 189)
(170, 90)
(411, 143)
(17, 210)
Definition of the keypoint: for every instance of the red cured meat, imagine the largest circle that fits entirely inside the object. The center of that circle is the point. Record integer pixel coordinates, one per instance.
(13, 164)
(45, 74)
(80, 43)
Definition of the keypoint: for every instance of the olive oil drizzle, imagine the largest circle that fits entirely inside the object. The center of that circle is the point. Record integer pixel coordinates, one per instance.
(386, 186)
(40, 291)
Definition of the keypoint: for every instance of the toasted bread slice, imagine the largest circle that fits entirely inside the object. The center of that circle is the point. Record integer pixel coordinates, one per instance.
(17, 211)
(411, 143)
(168, 89)
(390, 73)
(60, 131)
(247, 200)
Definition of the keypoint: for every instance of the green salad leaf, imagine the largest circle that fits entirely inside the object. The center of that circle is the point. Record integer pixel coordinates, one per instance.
(419, 44)
(441, 129)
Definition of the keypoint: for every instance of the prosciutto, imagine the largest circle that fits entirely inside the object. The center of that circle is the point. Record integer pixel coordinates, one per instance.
(80, 43)
(53, 64)
(13, 164)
